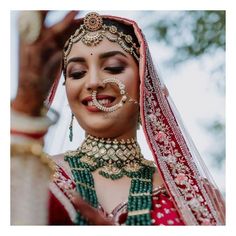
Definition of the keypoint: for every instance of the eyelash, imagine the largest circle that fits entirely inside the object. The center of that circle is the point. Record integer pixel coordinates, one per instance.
(115, 69)
(112, 70)
(77, 74)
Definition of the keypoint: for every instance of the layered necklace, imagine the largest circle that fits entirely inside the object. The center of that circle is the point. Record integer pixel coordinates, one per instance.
(114, 159)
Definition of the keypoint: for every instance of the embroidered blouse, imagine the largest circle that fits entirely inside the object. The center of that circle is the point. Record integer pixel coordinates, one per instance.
(62, 211)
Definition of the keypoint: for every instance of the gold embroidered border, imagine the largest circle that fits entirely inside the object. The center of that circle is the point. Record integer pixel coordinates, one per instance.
(172, 130)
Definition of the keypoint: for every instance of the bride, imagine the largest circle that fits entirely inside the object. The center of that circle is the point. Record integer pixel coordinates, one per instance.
(112, 87)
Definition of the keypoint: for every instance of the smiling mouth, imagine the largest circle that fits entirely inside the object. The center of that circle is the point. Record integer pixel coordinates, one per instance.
(104, 100)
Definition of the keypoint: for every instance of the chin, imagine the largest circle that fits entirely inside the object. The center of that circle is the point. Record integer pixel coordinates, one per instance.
(106, 125)
(100, 128)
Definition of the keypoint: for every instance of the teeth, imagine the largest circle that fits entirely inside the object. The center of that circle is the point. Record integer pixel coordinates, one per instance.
(90, 103)
(101, 101)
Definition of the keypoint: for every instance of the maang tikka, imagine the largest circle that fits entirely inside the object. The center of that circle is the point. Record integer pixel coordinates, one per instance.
(93, 31)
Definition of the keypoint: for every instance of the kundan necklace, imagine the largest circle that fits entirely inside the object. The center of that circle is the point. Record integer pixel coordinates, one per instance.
(114, 159)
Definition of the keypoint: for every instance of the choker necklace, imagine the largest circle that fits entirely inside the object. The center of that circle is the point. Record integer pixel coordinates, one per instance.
(114, 159)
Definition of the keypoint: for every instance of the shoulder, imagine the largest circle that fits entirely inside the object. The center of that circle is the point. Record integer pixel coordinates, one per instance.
(59, 160)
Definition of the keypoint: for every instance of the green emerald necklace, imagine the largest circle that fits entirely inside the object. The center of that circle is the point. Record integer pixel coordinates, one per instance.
(114, 159)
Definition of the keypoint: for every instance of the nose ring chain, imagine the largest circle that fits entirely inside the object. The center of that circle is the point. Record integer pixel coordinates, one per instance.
(123, 94)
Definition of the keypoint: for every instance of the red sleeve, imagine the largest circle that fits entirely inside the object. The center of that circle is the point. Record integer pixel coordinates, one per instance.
(57, 213)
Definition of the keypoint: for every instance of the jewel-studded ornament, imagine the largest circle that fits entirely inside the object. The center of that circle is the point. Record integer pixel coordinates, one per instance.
(97, 153)
(93, 21)
(116, 106)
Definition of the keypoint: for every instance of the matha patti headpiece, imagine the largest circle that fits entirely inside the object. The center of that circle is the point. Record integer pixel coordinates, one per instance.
(93, 31)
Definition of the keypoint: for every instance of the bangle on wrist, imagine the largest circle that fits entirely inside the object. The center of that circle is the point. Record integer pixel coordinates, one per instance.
(35, 127)
(32, 149)
(32, 135)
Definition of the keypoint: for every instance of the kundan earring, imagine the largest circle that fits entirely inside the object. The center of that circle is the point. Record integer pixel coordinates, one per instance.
(71, 128)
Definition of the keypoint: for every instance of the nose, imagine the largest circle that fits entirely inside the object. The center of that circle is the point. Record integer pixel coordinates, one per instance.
(94, 81)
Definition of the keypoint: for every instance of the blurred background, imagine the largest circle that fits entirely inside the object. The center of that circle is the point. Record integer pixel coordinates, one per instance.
(188, 48)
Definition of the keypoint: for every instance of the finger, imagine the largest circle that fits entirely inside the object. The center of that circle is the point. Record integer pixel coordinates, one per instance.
(52, 69)
(61, 31)
(65, 23)
(43, 15)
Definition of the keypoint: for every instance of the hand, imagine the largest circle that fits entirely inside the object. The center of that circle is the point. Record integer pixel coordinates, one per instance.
(90, 213)
(39, 64)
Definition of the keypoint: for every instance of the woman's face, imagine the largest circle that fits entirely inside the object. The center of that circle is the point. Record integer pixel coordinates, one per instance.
(87, 67)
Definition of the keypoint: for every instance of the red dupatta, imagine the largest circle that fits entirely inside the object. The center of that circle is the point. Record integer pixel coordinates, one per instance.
(197, 201)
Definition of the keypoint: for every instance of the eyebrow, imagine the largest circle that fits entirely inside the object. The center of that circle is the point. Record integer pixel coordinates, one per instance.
(102, 56)
(111, 54)
(76, 59)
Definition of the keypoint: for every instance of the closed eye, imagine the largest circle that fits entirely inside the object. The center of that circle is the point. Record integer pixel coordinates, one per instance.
(115, 69)
(77, 74)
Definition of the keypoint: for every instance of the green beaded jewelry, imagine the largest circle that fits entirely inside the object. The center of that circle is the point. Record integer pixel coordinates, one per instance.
(84, 184)
(140, 195)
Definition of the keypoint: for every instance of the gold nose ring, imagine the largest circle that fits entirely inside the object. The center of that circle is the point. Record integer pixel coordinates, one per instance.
(116, 106)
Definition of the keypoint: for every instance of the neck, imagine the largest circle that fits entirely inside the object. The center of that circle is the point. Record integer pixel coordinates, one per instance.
(123, 137)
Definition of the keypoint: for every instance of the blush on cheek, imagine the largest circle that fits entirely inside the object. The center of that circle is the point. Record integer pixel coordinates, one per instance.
(73, 91)
(132, 84)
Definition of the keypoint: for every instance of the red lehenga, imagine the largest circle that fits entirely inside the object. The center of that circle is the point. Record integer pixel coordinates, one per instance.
(188, 196)
(62, 211)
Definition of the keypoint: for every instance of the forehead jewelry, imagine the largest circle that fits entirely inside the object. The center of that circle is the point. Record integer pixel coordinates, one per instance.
(124, 96)
(93, 31)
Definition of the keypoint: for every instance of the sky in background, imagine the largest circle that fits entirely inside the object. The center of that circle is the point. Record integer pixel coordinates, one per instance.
(190, 86)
